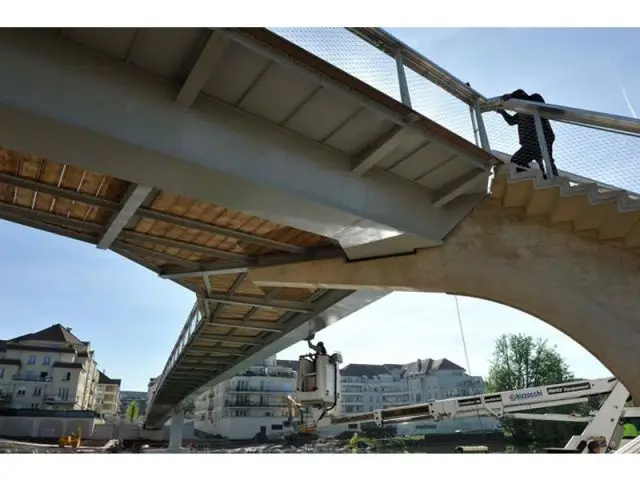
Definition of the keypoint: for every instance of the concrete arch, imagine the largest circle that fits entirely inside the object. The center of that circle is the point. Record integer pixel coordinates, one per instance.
(586, 289)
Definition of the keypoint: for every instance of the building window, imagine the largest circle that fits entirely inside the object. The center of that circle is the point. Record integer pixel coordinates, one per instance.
(21, 392)
(1, 372)
(37, 391)
(32, 360)
(46, 360)
(67, 377)
(276, 427)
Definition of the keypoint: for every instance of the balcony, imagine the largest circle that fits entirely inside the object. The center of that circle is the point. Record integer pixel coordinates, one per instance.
(51, 399)
(242, 389)
(266, 372)
(240, 403)
(21, 377)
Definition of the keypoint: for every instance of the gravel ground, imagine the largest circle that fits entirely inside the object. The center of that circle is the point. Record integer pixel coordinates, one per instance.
(7, 446)
(321, 446)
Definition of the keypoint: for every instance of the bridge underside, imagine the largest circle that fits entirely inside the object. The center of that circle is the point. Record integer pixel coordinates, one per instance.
(205, 248)
(202, 154)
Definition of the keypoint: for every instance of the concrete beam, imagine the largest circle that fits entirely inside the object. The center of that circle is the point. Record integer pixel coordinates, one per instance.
(459, 186)
(291, 306)
(258, 326)
(225, 268)
(132, 201)
(115, 119)
(231, 339)
(202, 69)
(381, 149)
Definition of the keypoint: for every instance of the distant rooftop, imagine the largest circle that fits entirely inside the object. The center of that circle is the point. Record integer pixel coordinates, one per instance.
(54, 333)
(420, 366)
(103, 379)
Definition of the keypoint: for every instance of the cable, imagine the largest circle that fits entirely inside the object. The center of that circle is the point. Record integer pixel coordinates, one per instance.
(466, 354)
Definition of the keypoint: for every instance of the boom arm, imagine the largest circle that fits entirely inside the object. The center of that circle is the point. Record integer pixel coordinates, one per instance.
(494, 404)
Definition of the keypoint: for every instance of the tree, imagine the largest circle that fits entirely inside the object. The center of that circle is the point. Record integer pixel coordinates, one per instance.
(520, 361)
(133, 411)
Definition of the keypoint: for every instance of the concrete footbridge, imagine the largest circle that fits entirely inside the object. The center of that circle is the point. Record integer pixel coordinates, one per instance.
(287, 193)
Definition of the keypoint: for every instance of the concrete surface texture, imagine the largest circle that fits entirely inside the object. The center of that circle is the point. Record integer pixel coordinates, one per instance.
(586, 289)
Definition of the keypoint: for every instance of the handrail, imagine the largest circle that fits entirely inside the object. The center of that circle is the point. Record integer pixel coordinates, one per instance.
(414, 60)
(576, 116)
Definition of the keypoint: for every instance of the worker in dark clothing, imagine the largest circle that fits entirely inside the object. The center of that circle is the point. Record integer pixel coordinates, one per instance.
(319, 348)
(529, 146)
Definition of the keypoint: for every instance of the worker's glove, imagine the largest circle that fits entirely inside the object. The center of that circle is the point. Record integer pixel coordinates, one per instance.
(311, 337)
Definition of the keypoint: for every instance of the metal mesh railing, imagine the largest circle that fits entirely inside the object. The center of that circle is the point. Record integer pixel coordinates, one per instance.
(608, 157)
(349, 53)
(611, 158)
(362, 60)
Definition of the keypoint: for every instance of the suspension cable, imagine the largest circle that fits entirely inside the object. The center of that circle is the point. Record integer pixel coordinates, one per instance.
(466, 354)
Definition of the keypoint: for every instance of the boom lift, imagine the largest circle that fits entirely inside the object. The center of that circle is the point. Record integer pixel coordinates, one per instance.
(318, 394)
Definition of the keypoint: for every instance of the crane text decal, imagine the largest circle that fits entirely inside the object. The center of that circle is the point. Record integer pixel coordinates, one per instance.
(465, 402)
(516, 397)
(576, 387)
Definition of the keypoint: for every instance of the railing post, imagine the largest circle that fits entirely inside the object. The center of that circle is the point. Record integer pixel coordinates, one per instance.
(542, 141)
(482, 131)
(402, 80)
(472, 114)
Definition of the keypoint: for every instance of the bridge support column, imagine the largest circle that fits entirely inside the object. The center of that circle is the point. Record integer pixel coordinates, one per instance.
(175, 432)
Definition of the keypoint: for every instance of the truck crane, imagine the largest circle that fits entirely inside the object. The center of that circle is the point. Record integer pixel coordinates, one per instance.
(318, 392)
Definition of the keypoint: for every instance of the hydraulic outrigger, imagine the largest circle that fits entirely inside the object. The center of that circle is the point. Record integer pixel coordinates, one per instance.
(318, 393)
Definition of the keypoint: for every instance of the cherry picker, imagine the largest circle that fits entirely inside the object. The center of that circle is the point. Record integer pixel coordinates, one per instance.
(318, 393)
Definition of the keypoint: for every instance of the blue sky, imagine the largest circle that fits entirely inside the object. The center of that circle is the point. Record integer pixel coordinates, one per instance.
(133, 318)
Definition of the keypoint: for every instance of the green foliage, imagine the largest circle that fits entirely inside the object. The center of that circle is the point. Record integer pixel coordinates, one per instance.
(520, 361)
(133, 411)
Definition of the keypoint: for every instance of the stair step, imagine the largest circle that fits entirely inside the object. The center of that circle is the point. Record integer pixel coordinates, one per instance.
(591, 217)
(618, 225)
(567, 209)
(499, 184)
(517, 194)
(632, 240)
(541, 202)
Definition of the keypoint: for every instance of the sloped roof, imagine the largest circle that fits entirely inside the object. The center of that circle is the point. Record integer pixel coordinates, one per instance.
(368, 370)
(102, 378)
(54, 333)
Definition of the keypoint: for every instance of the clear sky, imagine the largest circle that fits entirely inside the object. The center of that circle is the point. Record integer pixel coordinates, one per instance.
(133, 318)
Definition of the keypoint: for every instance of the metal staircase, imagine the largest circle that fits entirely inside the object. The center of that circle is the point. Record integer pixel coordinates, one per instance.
(591, 210)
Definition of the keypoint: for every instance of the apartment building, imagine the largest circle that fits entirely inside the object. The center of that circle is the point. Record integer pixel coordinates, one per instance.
(107, 395)
(365, 388)
(50, 369)
(249, 404)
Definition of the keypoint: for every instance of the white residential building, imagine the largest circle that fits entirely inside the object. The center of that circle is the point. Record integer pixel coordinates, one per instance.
(252, 403)
(365, 388)
(48, 370)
